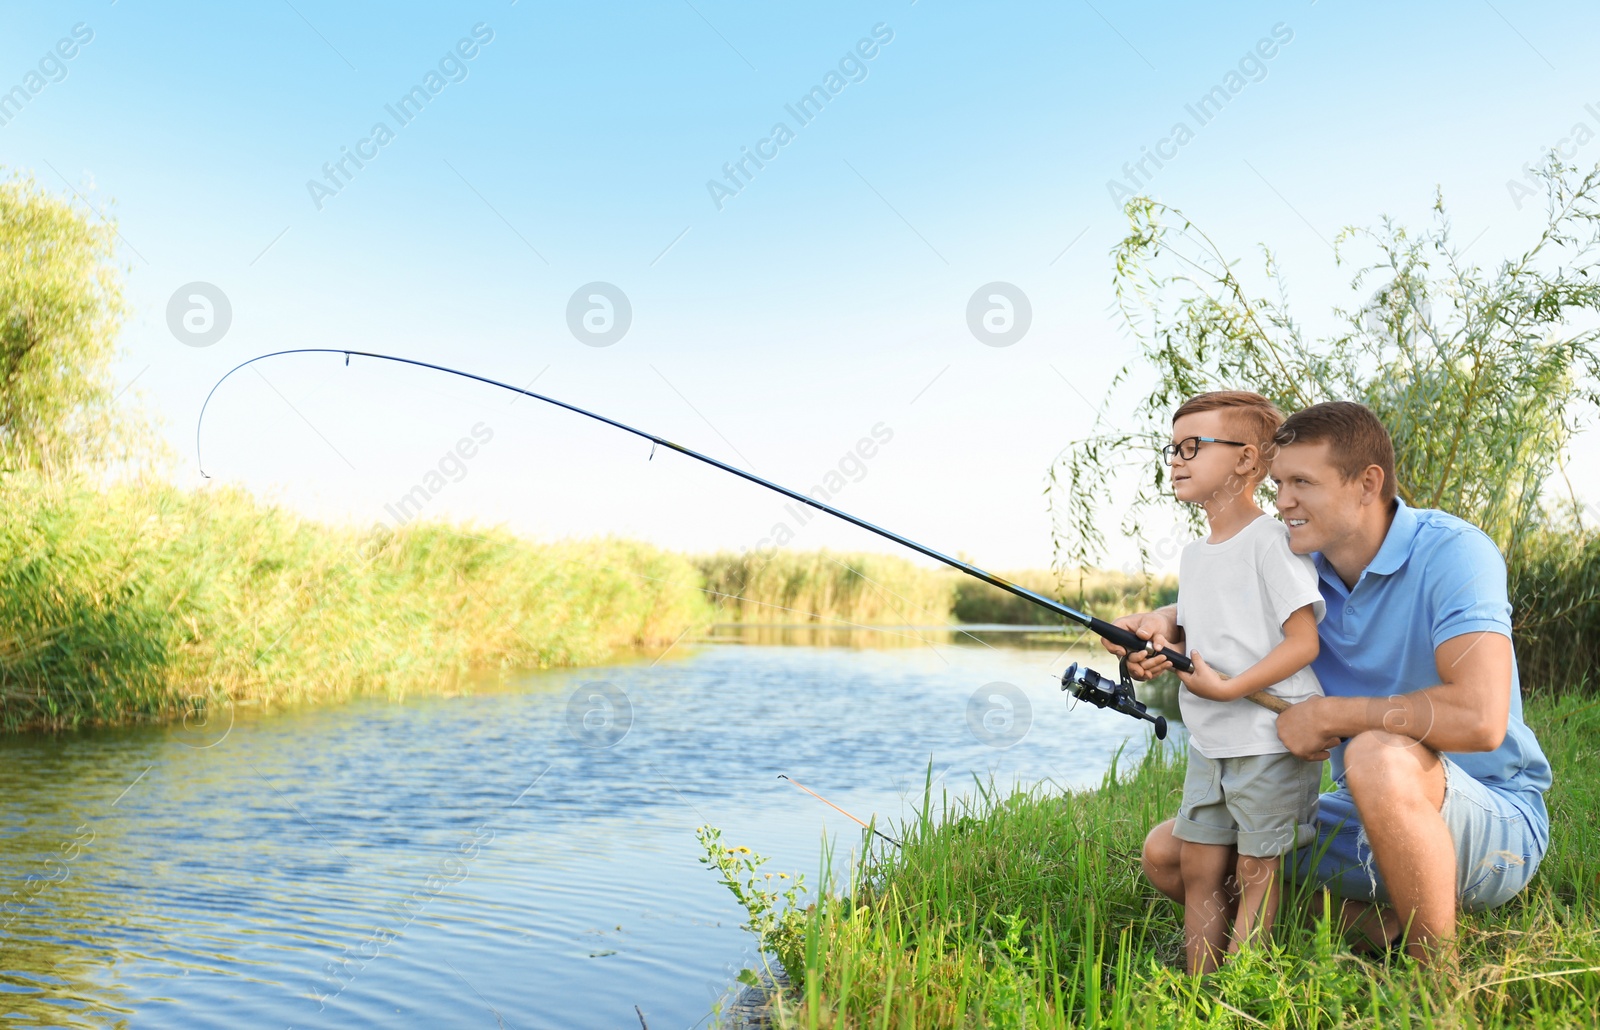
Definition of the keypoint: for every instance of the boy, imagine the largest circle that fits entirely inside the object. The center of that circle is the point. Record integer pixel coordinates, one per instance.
(1248, 607)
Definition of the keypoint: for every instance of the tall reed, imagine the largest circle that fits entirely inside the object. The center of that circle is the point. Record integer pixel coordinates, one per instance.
(824, 586)
(1100, 592)
(877, 589)
(145, 600)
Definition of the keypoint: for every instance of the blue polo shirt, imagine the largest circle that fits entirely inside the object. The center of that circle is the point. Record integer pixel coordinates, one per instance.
(1435, 577)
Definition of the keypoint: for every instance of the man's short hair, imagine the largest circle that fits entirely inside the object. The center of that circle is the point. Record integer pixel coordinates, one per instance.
(1250, 415)
(1355, 438)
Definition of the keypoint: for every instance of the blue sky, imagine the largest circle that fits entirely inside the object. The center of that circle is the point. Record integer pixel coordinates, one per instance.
(827, 297)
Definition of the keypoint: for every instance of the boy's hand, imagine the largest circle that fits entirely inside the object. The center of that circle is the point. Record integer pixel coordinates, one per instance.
(1206, 682)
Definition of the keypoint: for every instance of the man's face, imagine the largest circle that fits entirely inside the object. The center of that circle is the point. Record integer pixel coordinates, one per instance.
(1316, 503)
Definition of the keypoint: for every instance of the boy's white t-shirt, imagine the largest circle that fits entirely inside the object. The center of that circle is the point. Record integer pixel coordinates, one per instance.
(1233, 599)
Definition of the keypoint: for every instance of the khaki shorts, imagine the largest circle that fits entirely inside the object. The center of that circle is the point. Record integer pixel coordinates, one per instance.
(1264, 805)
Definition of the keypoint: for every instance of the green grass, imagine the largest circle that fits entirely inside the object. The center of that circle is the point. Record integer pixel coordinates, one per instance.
(147, 601)
(1028, 909)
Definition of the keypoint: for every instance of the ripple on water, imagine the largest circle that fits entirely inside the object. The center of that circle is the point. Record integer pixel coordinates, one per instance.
(440, 860)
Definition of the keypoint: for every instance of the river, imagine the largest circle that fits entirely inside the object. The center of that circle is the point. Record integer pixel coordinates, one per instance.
(521, 854)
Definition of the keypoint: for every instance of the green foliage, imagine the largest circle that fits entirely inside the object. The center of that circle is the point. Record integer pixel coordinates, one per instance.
(60, 311)
(1480, 376)
(1029, 909)
(776, 917)
(141, 600)
(1555, 604)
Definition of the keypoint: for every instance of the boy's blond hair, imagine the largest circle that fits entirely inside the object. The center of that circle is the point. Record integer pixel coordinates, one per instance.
(1249, 415)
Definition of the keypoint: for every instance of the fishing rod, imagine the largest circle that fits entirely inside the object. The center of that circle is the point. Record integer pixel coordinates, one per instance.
(841, 811)
(1118, 700)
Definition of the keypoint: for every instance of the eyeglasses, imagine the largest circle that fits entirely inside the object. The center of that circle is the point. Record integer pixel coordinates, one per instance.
(1188, 447)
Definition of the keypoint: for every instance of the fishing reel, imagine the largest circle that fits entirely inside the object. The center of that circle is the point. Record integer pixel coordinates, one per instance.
(1088, 685)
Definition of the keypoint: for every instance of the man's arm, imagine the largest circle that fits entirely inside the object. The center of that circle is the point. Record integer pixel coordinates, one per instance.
(1468, 710)
(1160, 627)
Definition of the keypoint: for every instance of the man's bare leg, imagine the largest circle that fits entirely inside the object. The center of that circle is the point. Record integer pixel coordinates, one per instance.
(1398, 788)
(1205, 917)
(1162, 859)
(1375, 926)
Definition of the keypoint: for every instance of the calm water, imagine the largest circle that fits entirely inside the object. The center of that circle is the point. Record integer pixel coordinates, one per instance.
(507, 857)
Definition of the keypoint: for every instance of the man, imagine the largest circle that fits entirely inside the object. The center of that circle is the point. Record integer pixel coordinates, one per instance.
(1440, 784)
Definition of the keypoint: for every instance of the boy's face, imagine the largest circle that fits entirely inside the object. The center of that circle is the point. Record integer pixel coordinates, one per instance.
(1217, 470)
(1317, 504)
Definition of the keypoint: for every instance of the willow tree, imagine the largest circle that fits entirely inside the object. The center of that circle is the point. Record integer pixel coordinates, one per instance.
(60, 310)
(1481, 376)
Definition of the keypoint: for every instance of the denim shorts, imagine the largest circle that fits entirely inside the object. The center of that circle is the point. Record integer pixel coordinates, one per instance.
(1496, 850)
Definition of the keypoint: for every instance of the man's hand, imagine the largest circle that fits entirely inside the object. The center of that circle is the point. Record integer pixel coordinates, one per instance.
(1302, 729)
(1160, 627)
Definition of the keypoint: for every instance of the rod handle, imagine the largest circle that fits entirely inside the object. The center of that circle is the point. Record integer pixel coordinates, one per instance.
(1271, 702)
(1275, 704)
(1127, 638)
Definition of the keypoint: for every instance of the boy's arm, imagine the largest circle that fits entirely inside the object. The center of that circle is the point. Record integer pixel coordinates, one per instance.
(1297, 650)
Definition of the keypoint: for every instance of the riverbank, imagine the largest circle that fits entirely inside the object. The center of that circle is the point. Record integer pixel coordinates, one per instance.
(145, 602)
(778, 586)
(148, 602)
(1028, 909)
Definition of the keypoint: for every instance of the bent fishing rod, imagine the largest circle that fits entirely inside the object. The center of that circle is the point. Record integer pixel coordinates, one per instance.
(1120, 699)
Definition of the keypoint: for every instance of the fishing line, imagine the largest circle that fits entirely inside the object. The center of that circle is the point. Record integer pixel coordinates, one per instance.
(841, 811)
(1115, 634)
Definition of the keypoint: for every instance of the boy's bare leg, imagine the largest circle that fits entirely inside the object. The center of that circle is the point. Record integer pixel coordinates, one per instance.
(1258, 900)
(1162, 861)
(1373, 926)
(1205, 911)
